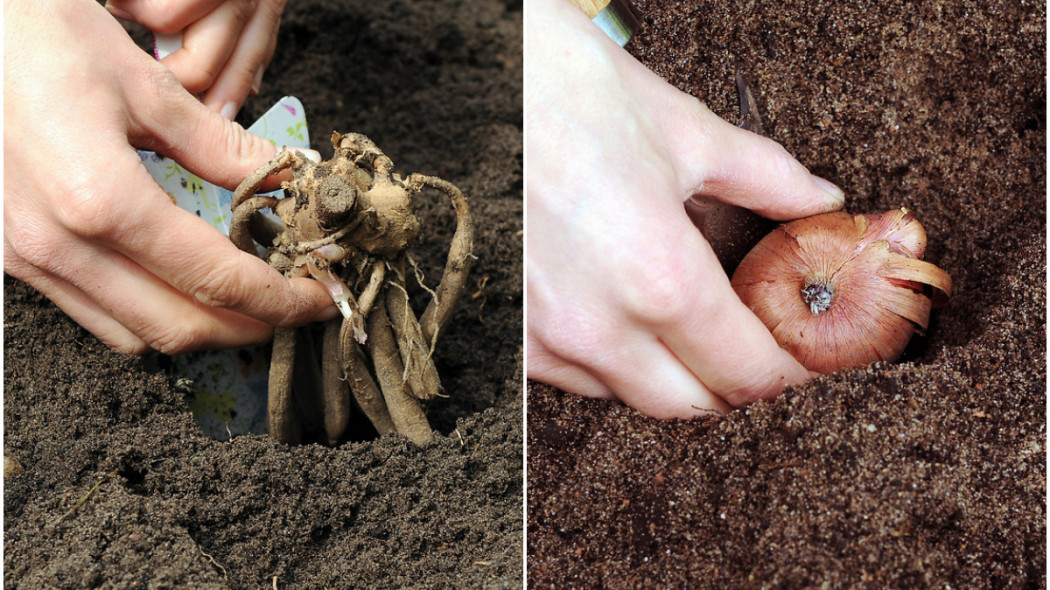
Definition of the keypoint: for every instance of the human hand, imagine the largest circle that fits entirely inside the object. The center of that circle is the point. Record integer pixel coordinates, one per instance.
(625, 297)
(84, 222)
(226, 44)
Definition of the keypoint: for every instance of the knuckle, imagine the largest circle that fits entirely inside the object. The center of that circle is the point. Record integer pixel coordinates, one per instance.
(177, 338)
(564, 334)
(248, 148)
(25, 246)
(657, 296)
(785, 165)
(151, 103)
(219, 287)
(87, 211)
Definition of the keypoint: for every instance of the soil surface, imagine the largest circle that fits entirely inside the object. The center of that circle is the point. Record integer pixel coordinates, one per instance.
(927, 473)
(119, 487)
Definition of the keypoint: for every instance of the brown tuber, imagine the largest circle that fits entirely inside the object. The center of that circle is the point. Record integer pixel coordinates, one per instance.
(839, 290)
(349, 222)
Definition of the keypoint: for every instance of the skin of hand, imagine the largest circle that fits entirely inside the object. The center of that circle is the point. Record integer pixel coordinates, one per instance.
(84, 222)
(226, 44)
(625, 297)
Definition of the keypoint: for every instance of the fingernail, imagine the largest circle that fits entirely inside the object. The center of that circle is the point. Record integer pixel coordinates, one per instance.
(828, 187)
(229, 110)
(257, 81)
(312, 155)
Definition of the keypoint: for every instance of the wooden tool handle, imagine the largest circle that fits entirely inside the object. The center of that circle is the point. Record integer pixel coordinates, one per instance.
(591, 7)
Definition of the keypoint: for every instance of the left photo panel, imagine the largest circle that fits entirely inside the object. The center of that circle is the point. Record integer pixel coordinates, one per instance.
(264, 329)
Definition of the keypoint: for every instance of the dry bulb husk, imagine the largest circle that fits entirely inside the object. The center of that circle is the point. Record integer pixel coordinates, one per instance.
(839, 290)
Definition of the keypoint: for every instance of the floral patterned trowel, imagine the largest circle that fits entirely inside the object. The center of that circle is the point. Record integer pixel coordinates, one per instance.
(229, 385)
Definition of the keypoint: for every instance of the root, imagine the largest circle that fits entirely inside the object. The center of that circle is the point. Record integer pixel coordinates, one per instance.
(420, 278)
(283, 424)
(364, 388)
(371, 290)
(405, 411)
(419, 371)
(335, 393)
(460, 257)
(249, 186)
(242, 224)
(304, 247)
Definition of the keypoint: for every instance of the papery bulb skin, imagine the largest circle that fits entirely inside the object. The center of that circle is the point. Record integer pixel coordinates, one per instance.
(839, 290)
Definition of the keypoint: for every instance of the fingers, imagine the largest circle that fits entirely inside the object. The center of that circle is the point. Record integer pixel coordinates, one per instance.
(167, 320)
(705, 325)
(132, 310)
(185, 252)
(567, 376)
(76, 304)
(720, 160)
(162, 17)
(201, 140)
(226, 46)
(633, 366)
(207, 44)
(242, 73)
(665, 389)
(601, 343)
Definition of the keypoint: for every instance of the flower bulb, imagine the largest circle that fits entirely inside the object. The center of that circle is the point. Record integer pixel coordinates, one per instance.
(838, 290)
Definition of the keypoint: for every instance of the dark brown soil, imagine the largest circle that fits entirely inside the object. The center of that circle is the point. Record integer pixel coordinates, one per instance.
(121, 489)
(928, 473)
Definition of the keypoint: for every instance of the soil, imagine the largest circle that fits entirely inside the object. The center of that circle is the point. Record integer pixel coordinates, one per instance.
(930, 472)
(120, 488)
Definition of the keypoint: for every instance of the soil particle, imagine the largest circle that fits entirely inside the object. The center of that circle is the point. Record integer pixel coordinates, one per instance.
(120, 488)
(925, 473)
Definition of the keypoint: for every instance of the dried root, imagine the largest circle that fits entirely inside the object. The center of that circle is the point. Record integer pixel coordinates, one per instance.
(362, 385)
(283, 423)
(405, 412)
(460, 257)
(335, 391)
(420, 373)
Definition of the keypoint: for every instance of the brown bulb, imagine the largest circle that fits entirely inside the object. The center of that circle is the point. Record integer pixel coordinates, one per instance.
(839, 290)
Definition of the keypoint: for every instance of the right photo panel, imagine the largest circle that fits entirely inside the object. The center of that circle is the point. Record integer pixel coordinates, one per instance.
(785, 294)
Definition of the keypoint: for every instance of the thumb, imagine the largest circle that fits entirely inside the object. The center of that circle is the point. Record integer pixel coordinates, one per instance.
(174, 123)
(745, 169)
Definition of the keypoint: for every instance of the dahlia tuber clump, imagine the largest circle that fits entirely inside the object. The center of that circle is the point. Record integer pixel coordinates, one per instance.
(348, 222)
(839, 290)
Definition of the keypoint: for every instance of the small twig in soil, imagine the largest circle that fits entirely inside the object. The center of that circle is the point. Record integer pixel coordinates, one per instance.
(84, 499)
(706, 410)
